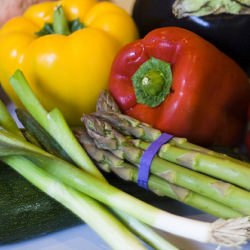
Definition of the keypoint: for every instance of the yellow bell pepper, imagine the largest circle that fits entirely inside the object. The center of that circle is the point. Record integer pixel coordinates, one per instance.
(68, 63)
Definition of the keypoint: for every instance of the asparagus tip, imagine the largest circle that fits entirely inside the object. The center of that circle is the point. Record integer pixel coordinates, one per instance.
(106, 103)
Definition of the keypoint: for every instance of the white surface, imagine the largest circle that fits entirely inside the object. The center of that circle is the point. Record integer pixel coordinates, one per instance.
(83, 238)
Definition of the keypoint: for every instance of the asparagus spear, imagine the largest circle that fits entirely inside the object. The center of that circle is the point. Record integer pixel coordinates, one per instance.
(232, 232)
(106, 102)
(109, 162)
(108, 138)
(56, 126)
(189, 155)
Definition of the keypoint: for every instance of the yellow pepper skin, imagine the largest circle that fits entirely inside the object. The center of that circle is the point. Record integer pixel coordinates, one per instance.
(65, 71)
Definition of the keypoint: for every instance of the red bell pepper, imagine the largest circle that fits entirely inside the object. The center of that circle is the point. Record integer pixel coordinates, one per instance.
(181, 84)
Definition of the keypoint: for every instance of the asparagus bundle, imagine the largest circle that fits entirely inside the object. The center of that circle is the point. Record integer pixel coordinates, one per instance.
(220, 165)
(180, 151)
(106, 137)
(183, 153)
(109, 162)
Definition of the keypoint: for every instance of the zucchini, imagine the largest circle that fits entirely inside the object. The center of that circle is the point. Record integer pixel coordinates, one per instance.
(26, 212)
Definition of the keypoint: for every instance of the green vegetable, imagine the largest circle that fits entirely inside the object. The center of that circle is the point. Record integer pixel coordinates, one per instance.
(93, 213)
(109, 162)
(41, 135)
(53, 122)
(106, 102)
(89, 210)
(29, 212)
(183, 153)
(123, 147)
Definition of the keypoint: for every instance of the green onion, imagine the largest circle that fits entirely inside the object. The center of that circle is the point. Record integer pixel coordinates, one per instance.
(94, 214)
(55, 124)
(89, 210)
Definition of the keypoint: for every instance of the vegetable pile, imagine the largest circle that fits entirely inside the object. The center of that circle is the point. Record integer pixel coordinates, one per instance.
(79, 185)
(170, 81)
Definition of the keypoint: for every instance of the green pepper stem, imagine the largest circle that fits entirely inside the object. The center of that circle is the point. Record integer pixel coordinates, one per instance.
(60, 23)
(152, 82)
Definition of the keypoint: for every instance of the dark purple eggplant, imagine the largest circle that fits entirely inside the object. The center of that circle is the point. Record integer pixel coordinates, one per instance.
(229, 33)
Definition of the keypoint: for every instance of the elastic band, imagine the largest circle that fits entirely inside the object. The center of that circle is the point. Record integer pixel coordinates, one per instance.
(147, 158)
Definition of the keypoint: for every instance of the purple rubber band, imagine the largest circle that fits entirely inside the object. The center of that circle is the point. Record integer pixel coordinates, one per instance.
(147, 158)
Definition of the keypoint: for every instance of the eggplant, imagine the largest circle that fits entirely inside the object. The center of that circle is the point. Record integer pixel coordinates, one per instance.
(228, 32)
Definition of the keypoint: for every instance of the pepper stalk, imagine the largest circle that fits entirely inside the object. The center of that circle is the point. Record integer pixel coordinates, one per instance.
(60, 24)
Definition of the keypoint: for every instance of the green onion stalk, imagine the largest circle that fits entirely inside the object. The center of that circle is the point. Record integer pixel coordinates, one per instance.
(54, 123)
(86, 208)
(46, 141)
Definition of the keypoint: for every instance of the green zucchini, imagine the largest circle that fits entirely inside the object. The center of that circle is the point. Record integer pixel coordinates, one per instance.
(26, 212)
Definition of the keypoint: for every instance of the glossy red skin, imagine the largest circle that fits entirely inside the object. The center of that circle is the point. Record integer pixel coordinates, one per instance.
(209, 93)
